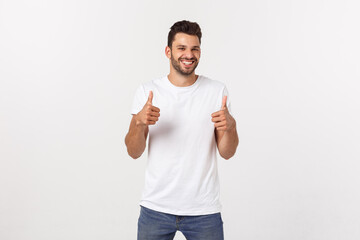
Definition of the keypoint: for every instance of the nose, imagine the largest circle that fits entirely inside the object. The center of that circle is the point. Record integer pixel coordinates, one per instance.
(188, 54)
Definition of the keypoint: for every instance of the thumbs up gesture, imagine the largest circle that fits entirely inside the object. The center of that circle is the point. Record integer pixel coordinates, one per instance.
(222, 119)
(149, 115)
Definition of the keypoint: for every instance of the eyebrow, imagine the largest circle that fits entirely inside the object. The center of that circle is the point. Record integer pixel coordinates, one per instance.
(185, 46)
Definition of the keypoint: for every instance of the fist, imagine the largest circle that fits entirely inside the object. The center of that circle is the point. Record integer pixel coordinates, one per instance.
(222, 119)
(149, 115)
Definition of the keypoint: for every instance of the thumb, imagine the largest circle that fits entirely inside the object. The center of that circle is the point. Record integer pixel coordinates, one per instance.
(150, 98)
(223, 105)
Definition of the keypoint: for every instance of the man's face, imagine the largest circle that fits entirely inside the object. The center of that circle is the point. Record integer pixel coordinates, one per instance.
(185, 53)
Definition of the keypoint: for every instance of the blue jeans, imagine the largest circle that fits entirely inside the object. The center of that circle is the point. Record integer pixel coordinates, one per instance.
(153, 225)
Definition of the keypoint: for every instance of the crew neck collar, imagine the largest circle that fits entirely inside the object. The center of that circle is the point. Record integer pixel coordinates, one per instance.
(182, 88)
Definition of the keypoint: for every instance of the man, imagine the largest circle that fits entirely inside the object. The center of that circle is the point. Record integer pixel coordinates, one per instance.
(181, 182)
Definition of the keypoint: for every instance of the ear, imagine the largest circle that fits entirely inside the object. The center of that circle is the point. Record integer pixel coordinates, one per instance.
(168, 52)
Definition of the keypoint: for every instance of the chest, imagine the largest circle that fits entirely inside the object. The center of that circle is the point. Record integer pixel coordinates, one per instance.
(184, 111)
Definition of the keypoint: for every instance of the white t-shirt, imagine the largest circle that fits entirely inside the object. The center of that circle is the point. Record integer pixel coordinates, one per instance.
(181, 176)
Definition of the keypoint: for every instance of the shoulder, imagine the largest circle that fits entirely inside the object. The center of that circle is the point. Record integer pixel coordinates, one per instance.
(212, 83)
(152, 83)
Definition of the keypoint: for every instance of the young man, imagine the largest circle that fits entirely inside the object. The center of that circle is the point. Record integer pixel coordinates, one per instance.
(181, 182)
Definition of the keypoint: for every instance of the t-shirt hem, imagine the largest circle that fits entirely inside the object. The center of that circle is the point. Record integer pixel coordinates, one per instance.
(181, 212)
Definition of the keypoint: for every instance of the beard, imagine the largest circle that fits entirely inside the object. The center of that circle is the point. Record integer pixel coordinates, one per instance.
(177, 67)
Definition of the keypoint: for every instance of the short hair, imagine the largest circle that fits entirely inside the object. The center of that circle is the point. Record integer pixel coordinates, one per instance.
(184, 26)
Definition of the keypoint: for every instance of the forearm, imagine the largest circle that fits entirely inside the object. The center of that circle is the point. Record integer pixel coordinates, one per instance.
(228, 143)
(135, 140)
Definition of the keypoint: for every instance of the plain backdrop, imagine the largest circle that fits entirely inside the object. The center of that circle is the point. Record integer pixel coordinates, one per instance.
(68, 74)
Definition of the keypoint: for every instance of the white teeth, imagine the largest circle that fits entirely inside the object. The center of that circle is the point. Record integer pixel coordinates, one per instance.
(187, 63)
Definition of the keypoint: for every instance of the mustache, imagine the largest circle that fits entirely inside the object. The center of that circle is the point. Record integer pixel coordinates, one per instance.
(189, 59)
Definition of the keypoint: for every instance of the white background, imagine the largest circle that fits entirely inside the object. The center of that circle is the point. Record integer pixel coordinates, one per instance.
(68, 73)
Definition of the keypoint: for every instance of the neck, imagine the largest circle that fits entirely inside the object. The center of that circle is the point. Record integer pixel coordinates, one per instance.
(180, 80)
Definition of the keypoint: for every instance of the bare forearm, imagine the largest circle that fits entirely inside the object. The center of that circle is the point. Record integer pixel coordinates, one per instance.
(228, 143)
(135, 140)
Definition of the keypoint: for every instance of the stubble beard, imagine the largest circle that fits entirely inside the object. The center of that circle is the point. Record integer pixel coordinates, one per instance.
(177, 67)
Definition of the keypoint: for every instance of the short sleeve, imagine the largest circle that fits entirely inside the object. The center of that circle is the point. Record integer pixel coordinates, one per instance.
(139, 100)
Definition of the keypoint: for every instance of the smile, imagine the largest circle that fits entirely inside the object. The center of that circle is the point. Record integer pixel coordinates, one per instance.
(187, 63)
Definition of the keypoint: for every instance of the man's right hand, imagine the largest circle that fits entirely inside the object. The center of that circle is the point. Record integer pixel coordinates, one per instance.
(149, 115)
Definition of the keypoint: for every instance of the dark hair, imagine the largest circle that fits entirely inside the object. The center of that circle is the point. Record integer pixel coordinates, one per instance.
(191, 28)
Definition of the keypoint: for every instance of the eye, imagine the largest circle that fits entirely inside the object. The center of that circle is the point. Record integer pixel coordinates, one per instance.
(181, 48)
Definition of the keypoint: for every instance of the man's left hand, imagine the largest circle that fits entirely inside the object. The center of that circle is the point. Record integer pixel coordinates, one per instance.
(222, 119)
